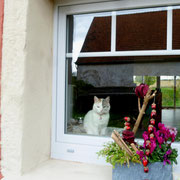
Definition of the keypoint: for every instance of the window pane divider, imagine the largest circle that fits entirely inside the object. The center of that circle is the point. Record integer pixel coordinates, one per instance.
(113, 32)
(169, 28)
(127, 53)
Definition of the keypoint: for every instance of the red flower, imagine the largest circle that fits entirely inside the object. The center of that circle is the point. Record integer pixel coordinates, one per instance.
(141, 90)
(128, 136)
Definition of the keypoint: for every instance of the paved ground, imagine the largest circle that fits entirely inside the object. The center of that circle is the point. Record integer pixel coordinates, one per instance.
(65, 170)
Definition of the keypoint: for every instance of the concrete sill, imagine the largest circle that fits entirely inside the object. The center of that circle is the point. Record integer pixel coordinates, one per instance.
(67, 170)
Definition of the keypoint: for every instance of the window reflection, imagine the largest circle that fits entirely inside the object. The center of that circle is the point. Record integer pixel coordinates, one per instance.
(118, 81)
(103, 88)
(87, 31)
(142, 31)
(176, 27)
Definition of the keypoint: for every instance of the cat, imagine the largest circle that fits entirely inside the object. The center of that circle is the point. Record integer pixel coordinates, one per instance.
(96, 120)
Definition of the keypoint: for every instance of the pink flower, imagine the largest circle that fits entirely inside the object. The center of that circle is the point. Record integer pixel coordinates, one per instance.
(173, 133)
(141, 154)
(161, 126)
(163, 134)
(153, 145)
(145, 135)
(168, 152)
(141, 90)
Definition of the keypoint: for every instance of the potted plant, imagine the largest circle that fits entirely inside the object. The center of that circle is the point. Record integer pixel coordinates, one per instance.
(152, 160)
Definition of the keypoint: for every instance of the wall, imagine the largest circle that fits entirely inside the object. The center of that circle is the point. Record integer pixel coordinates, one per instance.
(1, 33)
(26, 85)
(13, 72)
(38, 84)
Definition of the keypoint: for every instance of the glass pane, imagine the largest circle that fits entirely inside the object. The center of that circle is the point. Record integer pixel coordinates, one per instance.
(101, 92)
(142, 31)
(89, 33)
(176, 27)
(167, 88)
(177, 91)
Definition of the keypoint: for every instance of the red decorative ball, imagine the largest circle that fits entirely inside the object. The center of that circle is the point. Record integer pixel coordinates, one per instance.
(127, 119)
(153, 106)
(145, 162)
(148, 144)
(152, 121)
(127, 124)
(153, 113)
(151, 136)
(147, 152)
(150, 128)
(146, 169)
(127, 127)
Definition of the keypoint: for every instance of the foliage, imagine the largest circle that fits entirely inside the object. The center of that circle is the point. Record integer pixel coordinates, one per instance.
(149, 80)
(164, 154)
(115, 155)
(81, 85)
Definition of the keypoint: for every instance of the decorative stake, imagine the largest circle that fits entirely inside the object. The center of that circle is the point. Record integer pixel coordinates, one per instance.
(117, 138)
(134, 147)
(147, 97)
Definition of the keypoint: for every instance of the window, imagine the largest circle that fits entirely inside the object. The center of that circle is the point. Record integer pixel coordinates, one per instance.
(100, 61)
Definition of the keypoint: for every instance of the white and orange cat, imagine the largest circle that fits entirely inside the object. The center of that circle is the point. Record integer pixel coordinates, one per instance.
(96, 120)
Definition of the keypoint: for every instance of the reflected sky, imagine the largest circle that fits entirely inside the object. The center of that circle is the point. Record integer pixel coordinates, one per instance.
(82, 24)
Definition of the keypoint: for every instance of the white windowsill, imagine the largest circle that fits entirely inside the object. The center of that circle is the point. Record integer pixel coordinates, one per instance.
(67, 170)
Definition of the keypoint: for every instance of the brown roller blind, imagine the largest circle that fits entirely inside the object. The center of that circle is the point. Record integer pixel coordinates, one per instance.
(176, 29)
(98, 38)
(143, 31)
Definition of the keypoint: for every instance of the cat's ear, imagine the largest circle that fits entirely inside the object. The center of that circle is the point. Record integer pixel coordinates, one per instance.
(107, 99)
(96, 99)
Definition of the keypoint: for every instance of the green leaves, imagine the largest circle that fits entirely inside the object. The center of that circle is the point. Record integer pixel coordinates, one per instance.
(115, 155)
(159, 153)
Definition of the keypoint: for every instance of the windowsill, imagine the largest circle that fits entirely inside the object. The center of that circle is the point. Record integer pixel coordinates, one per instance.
(67, 170)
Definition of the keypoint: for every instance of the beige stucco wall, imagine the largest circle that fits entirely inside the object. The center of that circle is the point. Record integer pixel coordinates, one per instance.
(13, 73)
(26, 84)
(38, 84)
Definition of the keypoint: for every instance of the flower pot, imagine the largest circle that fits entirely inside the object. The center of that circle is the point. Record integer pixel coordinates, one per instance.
(157, 171)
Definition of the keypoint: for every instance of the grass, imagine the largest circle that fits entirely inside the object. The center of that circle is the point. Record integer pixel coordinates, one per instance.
(168, 97)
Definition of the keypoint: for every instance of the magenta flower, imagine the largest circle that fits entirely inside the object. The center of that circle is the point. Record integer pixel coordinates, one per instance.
(161, 137)
(163, 134)
(173, 133)
(141, 154)
(153, 145)
(141, 90)
(168, 152)
(161, 126)
(145, 135)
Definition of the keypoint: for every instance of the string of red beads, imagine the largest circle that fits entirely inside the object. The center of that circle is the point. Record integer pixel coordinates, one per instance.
(151, 136)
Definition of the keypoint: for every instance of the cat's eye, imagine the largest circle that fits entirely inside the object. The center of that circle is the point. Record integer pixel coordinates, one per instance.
(98, 107)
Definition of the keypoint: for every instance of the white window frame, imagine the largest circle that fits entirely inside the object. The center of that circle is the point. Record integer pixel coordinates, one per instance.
(75, 147)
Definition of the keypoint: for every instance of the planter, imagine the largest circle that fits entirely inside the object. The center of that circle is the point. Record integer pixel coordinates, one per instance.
(157, 171)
